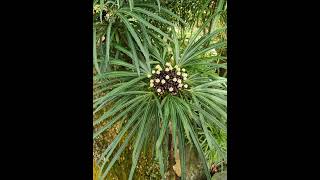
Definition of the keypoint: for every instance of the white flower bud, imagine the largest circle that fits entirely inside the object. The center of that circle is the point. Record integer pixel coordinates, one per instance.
(166, 69)
(149, 75)
(170, 68)
(168, 64)
(184, 78)
(153, 71)
(183, 69)
(185, 86)
(151, 80)
(176, 66)
(158, 90)
(174, 79)
(184, 74)
(179, 81)
(167, 77)
(158, 66)
(180, 85)
(170, 89)
(158, 72)
(157, 80)
(163, 81)
(178, 73)
(151, 84)
(178, 69)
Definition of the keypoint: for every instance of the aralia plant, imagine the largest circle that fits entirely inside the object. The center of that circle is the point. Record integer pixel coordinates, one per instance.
(174, 92)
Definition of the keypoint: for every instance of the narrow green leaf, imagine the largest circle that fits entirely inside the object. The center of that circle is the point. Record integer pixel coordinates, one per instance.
(131, 121)
(214, 98)
(115, 119)
(134, 35)
(162, 9)
(115, 74)
(119, 106)
(183, 114)
(211, 118)
(158, 2)
(212, 142)
(146, 41)
(131, 4)
(121, 63)
(194, 37)
(118, 3)
(144, 22)
(212, 91)
(191, 48)
(117, 155)
(200, 152)
(152, 15)
(123, 87)
(182, 152)
(176, 47)
(213, 83)
(124, 50)
(108, 45)
(164, 128)
(174, 126)
(134, 53)
(101, 9)
(139, 140)
(212, 104)
(213, 46)
(95, 61)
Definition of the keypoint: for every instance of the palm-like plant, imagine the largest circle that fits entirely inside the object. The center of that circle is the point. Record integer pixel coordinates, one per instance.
(198, 110)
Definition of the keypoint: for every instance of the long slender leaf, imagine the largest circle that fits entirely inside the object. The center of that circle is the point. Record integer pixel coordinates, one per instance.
(193, 38)
(115, 74)
(191, 49)
(176, 47)
(138, 144)
(211, 118)
(108, 46)
(108, 152)
(144, 22)
(121, 63)
(152, 15)
(95, 59)
(134, 35)
(162, 9)
(119, 106)
(164, 127)
(119, 89)
(101, 9)
(174, 126)
(200, 152)
(134, 53)
(213, 46)
(117, 155)
(182, 152)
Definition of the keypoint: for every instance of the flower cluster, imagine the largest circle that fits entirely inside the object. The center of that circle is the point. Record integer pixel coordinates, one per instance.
(170, 79)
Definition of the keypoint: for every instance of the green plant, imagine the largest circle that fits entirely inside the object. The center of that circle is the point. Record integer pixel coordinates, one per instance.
(127, 47)
(113, 21)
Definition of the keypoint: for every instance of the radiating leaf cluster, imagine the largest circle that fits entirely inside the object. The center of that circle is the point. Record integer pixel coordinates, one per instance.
(128, 43)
